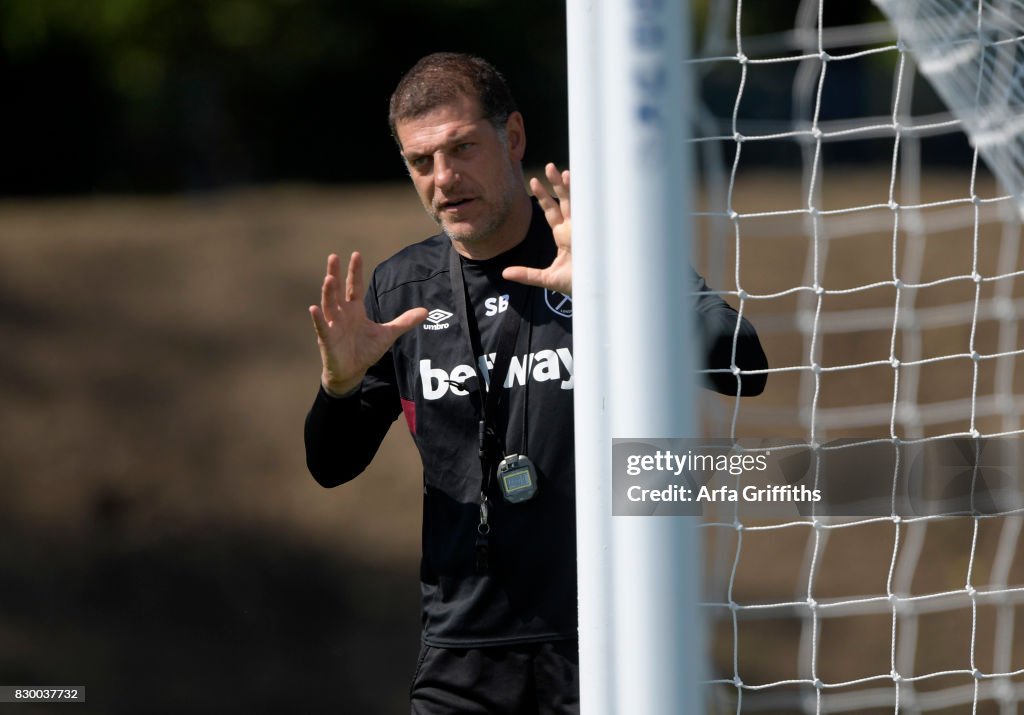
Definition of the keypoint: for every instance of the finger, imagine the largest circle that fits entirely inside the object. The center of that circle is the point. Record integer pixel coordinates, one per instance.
(354, 279)
(558, 181)
(552, 212)
(528, 276)
(319, 323)
(554, 175)
(538, 190)
(334, 266)
(329, 298)
(406, 321)
(565, 201)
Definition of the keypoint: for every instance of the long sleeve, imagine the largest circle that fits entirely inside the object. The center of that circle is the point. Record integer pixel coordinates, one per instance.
(342, 434)
(716, 321)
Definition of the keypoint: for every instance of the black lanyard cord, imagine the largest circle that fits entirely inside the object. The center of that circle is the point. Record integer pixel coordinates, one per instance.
(490, 443)
(526, 388)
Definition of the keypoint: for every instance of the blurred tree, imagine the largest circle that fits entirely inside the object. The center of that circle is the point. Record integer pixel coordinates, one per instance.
(159, 95)
(129, 95)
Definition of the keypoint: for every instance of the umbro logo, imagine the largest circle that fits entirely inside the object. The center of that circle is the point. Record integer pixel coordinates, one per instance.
(438, 319)
(438, 316)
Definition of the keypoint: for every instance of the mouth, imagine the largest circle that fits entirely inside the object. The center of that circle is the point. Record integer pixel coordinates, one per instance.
(454, 206)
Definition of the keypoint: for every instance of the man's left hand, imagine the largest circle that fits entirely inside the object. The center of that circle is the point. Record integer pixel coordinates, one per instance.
(557, 276)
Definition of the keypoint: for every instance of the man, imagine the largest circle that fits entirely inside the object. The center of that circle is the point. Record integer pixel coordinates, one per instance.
(451, 334)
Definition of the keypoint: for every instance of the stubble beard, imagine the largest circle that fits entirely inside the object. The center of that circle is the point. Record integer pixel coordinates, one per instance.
(495, 218)
(498, 214)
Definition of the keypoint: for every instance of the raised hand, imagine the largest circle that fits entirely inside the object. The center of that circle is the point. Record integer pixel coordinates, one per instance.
(350, 343)
(557, 276)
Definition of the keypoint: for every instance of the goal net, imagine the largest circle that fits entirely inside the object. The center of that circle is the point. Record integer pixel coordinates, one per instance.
(861, 172)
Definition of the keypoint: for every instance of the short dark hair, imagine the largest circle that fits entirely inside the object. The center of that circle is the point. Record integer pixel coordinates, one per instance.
(444, 77)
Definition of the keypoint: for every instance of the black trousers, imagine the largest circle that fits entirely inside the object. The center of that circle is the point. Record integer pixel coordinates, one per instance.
(529, 679)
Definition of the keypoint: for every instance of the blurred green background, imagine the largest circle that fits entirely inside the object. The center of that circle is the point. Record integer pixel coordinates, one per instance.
(167, 95)
(161, 95)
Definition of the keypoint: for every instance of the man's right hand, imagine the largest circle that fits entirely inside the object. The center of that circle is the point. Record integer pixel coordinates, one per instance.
(350, 343)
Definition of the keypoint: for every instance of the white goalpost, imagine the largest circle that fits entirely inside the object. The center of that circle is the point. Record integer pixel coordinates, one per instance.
(849, 177)
(640, 644)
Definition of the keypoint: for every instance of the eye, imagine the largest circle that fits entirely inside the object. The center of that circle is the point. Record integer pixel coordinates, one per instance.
(420, 162)
(464, 146)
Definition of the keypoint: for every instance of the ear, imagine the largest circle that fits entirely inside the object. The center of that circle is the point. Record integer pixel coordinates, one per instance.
(516, 133)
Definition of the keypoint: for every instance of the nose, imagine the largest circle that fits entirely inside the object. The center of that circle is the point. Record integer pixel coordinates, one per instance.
(444, 172)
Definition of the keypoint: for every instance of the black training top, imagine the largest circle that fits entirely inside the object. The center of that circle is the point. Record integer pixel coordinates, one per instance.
(528, 591)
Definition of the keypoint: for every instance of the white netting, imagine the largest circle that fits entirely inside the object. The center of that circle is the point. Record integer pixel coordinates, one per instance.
(973, 55)
(887, 294)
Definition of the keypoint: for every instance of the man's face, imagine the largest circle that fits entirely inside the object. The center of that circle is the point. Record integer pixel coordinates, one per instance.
(466, 175)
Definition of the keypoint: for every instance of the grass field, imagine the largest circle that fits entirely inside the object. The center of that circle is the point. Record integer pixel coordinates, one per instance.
(162, 540)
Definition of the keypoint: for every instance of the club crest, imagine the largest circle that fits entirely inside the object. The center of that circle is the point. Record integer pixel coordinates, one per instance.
(558, 303)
